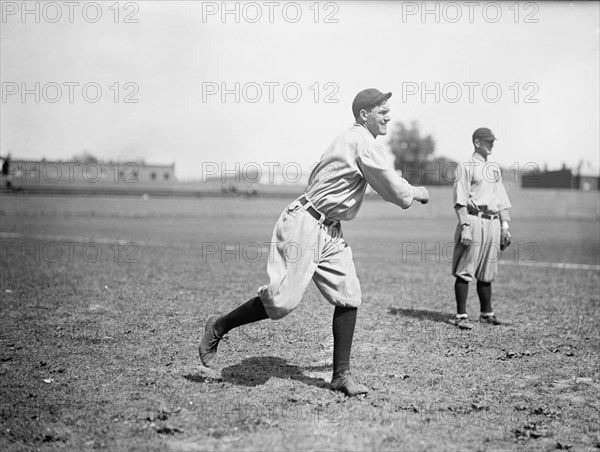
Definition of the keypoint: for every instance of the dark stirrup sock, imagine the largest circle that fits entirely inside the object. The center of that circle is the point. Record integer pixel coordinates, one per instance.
(344, 321)
(484, 291)
(461, 291)
(251, 311)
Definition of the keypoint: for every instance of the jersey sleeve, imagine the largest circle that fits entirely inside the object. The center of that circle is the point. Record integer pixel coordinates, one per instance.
(383, 178)
(462, 184)
(503, 201)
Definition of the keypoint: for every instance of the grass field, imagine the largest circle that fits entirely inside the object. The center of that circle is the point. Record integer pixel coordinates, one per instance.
(104, 298)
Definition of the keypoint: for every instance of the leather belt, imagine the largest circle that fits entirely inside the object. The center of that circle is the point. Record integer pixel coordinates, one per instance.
(314, 212)
(490, 216)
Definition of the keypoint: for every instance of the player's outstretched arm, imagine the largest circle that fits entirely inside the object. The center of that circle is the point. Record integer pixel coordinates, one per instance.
(421, 195)
(393, 188)
(387, 182)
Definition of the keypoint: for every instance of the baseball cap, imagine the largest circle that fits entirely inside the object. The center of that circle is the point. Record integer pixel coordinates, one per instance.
(367, 99)
(483, 133)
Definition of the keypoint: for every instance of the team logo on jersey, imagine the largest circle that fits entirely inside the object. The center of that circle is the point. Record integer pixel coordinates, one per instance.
(495, 173)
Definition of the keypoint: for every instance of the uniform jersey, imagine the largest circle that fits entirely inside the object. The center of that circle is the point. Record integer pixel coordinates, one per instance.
(337, 184)
(479, 183)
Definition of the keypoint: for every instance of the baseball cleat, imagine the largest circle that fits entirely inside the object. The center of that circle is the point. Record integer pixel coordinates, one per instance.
(464, 323)
(492, 320)
(344, 383)
(208, 345)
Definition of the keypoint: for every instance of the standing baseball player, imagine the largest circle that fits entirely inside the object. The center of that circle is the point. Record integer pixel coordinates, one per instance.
(481, 205)
(308, 243)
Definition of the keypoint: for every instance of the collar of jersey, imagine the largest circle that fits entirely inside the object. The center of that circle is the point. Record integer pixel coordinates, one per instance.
(477, 156)
(363, 127)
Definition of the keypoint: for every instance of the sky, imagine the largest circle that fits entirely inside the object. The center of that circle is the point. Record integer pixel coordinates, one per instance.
(221, 85)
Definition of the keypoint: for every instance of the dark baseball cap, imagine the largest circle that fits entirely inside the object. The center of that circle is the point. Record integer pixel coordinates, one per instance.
(483, 133)
(367, 99)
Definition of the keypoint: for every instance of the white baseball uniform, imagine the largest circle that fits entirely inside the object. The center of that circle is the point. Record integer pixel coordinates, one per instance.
(478, 186)
(308, 242)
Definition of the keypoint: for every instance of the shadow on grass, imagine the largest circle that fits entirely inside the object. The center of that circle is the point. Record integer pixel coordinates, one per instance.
(258, 370)
(422, 314)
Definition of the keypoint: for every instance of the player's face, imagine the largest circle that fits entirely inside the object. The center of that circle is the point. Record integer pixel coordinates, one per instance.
(484, 147)
(377, 119)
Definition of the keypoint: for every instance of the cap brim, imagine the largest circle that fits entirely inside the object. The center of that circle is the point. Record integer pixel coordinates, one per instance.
(381, 98)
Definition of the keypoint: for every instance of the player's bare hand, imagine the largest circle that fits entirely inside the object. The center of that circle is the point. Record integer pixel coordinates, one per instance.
(421, 195)
(504, 239)
(465, 235)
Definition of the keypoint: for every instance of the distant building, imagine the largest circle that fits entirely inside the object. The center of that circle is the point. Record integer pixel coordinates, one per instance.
(165, 173)
(26, 172)
(563, 178)
(587, 183)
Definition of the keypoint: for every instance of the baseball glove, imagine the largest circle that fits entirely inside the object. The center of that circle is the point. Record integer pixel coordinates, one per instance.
(504, 239)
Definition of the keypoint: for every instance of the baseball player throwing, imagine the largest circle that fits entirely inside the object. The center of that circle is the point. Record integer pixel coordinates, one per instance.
(481, 204)
(308, 243)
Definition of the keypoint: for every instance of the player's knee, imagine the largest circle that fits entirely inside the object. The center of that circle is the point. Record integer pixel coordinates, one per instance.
(466, 277)
(275, 305)
(278, 312)
(348, 303)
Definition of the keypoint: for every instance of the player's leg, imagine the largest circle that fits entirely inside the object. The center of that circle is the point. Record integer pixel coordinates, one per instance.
(292, 261)
(216, 327)
(290, 270)
(484, 292)
(336, 279)
(461, 293)
(251, 311)
(463, 269)
(344, 322)
(487, 270)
